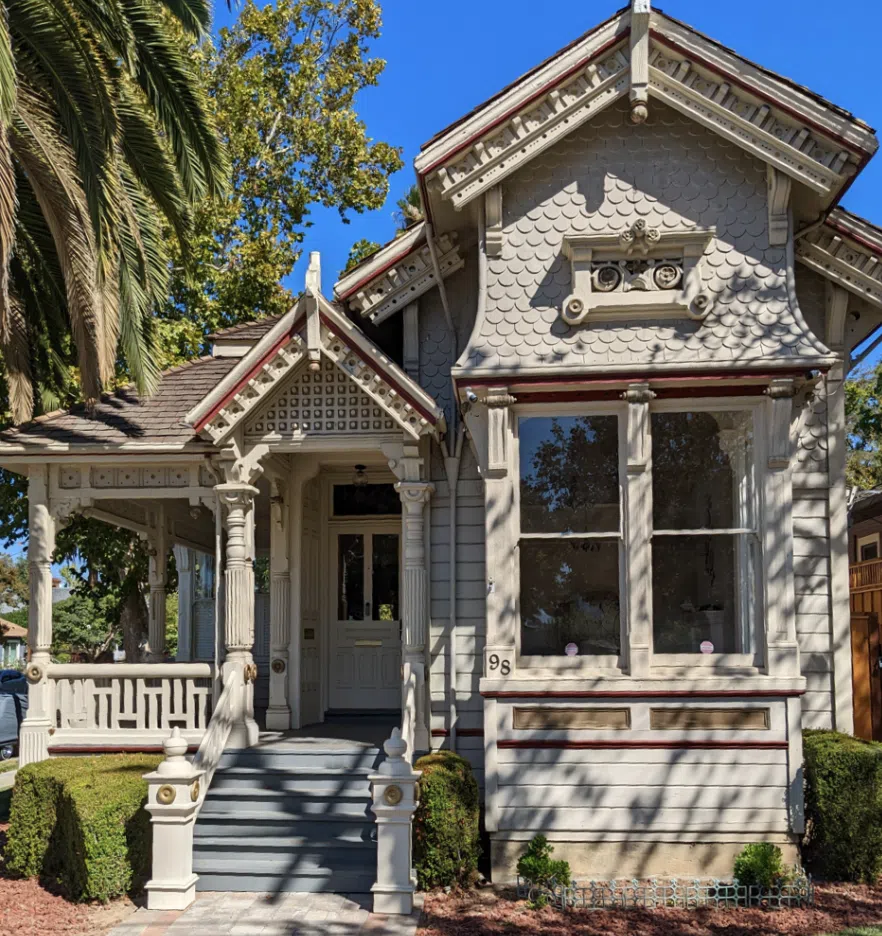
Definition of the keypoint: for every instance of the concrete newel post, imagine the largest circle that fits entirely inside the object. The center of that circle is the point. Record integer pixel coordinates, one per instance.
(172, 801)
(394, 793)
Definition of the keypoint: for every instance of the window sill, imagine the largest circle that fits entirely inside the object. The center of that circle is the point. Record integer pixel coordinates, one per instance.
(706, 682)
(669, 664)
(576, 665)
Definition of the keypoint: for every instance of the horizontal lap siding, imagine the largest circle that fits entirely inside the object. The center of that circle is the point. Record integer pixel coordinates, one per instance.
(811, 567)
(470, 610)
(634, 789)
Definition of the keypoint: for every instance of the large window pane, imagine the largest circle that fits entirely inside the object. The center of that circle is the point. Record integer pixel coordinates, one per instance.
(702, 594)
(569, 469)
(702, 470)
(569, 596)
(350, 577)
(385, 576)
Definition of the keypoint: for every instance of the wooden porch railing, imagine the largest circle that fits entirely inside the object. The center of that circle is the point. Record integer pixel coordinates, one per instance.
(865, 575)
(128, 705)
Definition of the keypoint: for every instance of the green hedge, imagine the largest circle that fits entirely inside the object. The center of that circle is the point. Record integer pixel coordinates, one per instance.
(445, 826)
(843, 803)
(79, 822)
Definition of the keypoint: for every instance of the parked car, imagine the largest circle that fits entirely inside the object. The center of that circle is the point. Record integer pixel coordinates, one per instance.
(13, 705)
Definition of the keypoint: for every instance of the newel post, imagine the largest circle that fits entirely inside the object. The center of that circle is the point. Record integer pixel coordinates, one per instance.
(394, 793)
(238, 498)
(172, 800)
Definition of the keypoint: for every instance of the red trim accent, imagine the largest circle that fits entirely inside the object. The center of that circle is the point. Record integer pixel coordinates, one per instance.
(645, 745)
(873, 248)
(648, 694)
(379, 272)
(616, 40)
(200, 425)
(462, 732)
(733, 79)
(402, 392)
(113, 749)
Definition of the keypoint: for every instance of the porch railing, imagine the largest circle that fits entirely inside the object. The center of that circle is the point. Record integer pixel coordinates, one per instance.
(128, 704)
(865, 575)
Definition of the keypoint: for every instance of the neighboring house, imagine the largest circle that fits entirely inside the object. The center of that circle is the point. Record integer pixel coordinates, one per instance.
(557, 477)
(13, 644)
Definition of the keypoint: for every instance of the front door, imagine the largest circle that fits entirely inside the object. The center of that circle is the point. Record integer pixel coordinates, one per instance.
(365, 647)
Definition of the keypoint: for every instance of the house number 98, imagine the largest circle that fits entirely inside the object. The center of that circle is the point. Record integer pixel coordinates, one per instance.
(494, 663)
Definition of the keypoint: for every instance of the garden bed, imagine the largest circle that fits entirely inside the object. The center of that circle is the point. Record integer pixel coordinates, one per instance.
(487, 912)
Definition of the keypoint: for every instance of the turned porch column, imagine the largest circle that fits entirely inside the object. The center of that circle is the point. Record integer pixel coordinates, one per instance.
(184, 564)
(158, 578)
(34, 735)
(238, 499)
(278, 715)
(415, 596)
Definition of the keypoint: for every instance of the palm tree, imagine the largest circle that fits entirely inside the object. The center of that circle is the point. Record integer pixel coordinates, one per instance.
(105, 138)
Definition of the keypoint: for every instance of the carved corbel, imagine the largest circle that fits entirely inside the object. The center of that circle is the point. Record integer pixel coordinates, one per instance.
(781, 392)
(638, 396)
(498, 402)
(278, 501)
(639, 95)
(66, 509)
(836, 299)
(779, 187)
(243, 467)
(493, 221)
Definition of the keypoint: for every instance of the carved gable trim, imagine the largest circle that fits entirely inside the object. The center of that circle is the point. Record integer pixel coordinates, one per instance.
(639, 273)
(847, 251)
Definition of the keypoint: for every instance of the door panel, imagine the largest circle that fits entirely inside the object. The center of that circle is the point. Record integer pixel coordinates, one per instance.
(365, 656)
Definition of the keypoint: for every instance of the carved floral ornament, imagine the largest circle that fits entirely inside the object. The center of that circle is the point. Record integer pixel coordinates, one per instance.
(641, 272)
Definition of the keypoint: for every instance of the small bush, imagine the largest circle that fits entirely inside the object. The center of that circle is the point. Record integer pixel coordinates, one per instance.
(538, 867)
(79, 822)
(760, 864)
(843, 804)
(445, 826)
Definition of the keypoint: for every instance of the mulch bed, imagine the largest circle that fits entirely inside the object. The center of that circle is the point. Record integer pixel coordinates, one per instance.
(27, 908)
(491, 911)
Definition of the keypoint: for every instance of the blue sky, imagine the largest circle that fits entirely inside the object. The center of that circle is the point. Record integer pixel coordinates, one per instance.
(443, 59)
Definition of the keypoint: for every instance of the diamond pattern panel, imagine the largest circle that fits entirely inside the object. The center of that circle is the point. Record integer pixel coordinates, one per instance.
(601, 179)
(326, 402)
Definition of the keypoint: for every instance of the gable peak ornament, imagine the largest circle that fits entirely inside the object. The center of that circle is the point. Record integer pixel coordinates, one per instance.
(641, 11)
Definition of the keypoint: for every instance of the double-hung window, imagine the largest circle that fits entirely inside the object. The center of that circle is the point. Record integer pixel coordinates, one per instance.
(570, 544)
(704, 534)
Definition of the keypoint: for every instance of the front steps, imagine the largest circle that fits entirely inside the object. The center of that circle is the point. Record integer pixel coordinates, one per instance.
(292, 814)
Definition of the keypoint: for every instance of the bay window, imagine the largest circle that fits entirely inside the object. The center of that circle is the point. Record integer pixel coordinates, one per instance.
(570, 536)
(574, 513)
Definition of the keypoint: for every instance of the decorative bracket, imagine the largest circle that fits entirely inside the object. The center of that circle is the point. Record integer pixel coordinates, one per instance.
(498, 401)
(779, 186)
(642, 272)
(493, 221)
(640, 13)
(638, 396)
(781, 392)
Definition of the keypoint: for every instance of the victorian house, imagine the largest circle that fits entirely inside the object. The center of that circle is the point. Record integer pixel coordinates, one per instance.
(555, 480)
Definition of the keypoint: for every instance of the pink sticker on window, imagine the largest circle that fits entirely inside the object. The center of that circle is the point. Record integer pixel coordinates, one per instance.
(706, 647)
(571, 649)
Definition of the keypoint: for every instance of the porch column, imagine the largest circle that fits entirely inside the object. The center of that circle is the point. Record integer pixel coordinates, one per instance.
(184, 565)
(414, 596)
(278, 716)
(34, 735)
(158, 578)
(238, 499)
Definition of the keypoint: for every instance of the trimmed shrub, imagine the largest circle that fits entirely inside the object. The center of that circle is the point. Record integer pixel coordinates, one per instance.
(760, 864)
(843, 806)
(538, 867)
(445, 826)
(79, 822)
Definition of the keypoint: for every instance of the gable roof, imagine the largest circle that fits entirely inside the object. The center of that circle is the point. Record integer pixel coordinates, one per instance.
(287, 345)
(796, 131)
(8, 631)
(125, 419)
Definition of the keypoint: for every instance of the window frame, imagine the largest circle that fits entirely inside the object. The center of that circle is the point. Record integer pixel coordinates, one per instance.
(730, 662)
(602, 664)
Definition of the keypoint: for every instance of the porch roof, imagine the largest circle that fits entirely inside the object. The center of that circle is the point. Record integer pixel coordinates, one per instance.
(124, 419)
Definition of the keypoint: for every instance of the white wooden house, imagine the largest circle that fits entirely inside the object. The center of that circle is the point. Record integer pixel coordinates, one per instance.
(556, 477)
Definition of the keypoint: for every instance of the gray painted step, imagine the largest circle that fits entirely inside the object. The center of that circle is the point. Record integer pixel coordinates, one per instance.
(289, 815)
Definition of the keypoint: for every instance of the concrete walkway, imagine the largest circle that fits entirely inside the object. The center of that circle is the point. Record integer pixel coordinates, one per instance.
(226, 914)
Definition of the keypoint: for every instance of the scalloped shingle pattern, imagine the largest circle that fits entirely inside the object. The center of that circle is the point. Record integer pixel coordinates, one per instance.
(600, 179)
(811, 446)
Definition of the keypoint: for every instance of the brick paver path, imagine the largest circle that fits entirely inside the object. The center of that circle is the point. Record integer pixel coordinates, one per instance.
(223, 914)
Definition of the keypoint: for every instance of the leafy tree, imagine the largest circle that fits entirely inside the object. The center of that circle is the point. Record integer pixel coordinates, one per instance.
(13, 582)
(283, 82)
(359, 251)
(863, 416)
(104, 133)
(85, 628)
(410, 209)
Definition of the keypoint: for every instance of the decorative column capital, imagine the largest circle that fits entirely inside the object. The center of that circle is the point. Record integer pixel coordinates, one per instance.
(236, 494)
(414, 494)
(638, 393)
